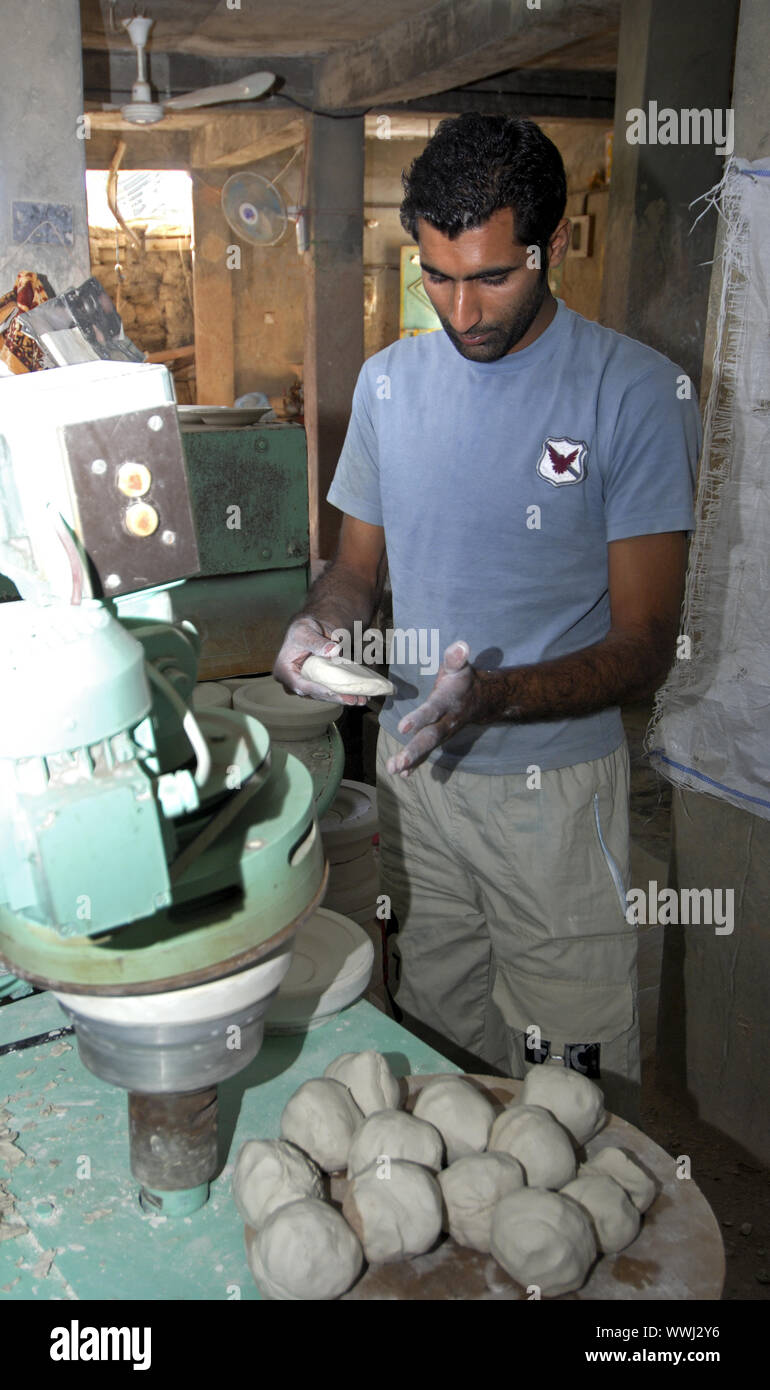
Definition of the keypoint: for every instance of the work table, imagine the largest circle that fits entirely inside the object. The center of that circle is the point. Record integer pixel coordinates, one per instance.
(66, 1175)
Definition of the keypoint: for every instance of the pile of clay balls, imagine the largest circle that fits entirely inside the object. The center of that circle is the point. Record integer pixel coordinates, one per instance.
(508, 1184)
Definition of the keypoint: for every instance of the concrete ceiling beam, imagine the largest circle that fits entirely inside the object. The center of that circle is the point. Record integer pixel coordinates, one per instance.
(451, 44)
(537, 93)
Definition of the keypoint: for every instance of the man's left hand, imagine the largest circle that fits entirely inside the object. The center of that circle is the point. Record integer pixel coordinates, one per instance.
(453, 702)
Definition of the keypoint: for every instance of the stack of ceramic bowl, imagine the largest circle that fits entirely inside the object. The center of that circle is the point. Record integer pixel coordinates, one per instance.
(287, 718)
(347, 831)
(211, 695)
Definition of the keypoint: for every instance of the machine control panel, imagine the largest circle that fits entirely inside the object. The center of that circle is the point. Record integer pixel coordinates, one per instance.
(130, 498)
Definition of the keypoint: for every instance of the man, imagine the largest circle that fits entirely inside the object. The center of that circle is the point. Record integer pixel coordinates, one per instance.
(529, 475)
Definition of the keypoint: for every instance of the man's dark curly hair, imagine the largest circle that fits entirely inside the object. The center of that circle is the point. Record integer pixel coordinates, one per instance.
(475, 165)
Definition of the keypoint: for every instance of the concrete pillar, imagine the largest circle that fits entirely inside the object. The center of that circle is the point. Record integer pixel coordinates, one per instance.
(656, 276)
(713, 1022)
(714, 1027)
(334, 316)
(215, 276)
(43, 160)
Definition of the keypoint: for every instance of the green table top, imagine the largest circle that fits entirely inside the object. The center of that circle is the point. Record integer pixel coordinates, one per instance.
(70, 1223)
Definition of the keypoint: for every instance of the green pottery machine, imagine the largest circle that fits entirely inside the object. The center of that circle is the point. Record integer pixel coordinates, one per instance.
(155, 863)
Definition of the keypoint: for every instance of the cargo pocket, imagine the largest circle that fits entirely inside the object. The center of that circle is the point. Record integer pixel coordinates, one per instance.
(566, 1009)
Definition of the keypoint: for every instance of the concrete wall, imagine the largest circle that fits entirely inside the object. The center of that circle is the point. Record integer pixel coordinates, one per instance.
(42, 159)
(268, 300)
(582, 147)
(154, 299)
(334, 300)
(657, 284)
(714, 1024)
(714, 1031)
(384, 162)
(249, 316)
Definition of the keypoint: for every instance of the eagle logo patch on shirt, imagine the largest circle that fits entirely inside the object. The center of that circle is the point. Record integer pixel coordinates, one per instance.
(563, 461)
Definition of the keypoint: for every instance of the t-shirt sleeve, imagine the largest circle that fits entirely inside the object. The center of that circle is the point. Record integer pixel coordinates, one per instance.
(652, 456)
(355, 486)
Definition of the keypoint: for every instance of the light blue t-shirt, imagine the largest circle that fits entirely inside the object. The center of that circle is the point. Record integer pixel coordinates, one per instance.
(499, 485)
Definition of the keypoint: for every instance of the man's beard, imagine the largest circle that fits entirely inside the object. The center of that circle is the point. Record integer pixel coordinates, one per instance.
(505, 335)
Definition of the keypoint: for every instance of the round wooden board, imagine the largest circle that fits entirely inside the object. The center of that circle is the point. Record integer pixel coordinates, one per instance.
(677, 1255)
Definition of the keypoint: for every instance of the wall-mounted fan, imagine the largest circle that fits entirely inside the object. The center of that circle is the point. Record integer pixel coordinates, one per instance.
(142, 110)
(257, 212)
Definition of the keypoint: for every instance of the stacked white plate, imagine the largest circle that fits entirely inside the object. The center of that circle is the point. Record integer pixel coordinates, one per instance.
(235, 682)
(286, 717)
(330, 968)
(211, 695)
(347, 831)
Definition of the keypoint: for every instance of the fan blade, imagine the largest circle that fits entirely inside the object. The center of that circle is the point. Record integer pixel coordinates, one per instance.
(245, 89)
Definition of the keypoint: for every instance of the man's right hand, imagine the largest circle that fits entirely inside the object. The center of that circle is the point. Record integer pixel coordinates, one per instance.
(305, 637)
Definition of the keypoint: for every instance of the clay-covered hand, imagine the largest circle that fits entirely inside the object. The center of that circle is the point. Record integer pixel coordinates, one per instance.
(454, 701)
(306, 637)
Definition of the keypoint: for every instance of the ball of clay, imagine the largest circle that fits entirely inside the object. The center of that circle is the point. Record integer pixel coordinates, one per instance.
(543, 1238)
(532, 1135)
(617, 1164)
(321, 1118)
(305, 1250)
(369, 1080)
(575, 1100)
(616, 1220)
(268, 1174)
(471, 1189)
(394, 1134)
(395, 1210)
(462, 1116)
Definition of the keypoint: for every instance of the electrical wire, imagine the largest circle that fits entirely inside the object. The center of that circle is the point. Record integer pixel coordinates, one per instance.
(331, 115)
(77, 567)
(287, 165)
(305, 160)
(189, 724)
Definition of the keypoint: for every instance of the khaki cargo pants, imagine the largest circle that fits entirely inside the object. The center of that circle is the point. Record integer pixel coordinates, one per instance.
(510, 907)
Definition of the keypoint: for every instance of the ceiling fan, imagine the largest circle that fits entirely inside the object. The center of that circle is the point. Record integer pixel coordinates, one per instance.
(142, 110)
